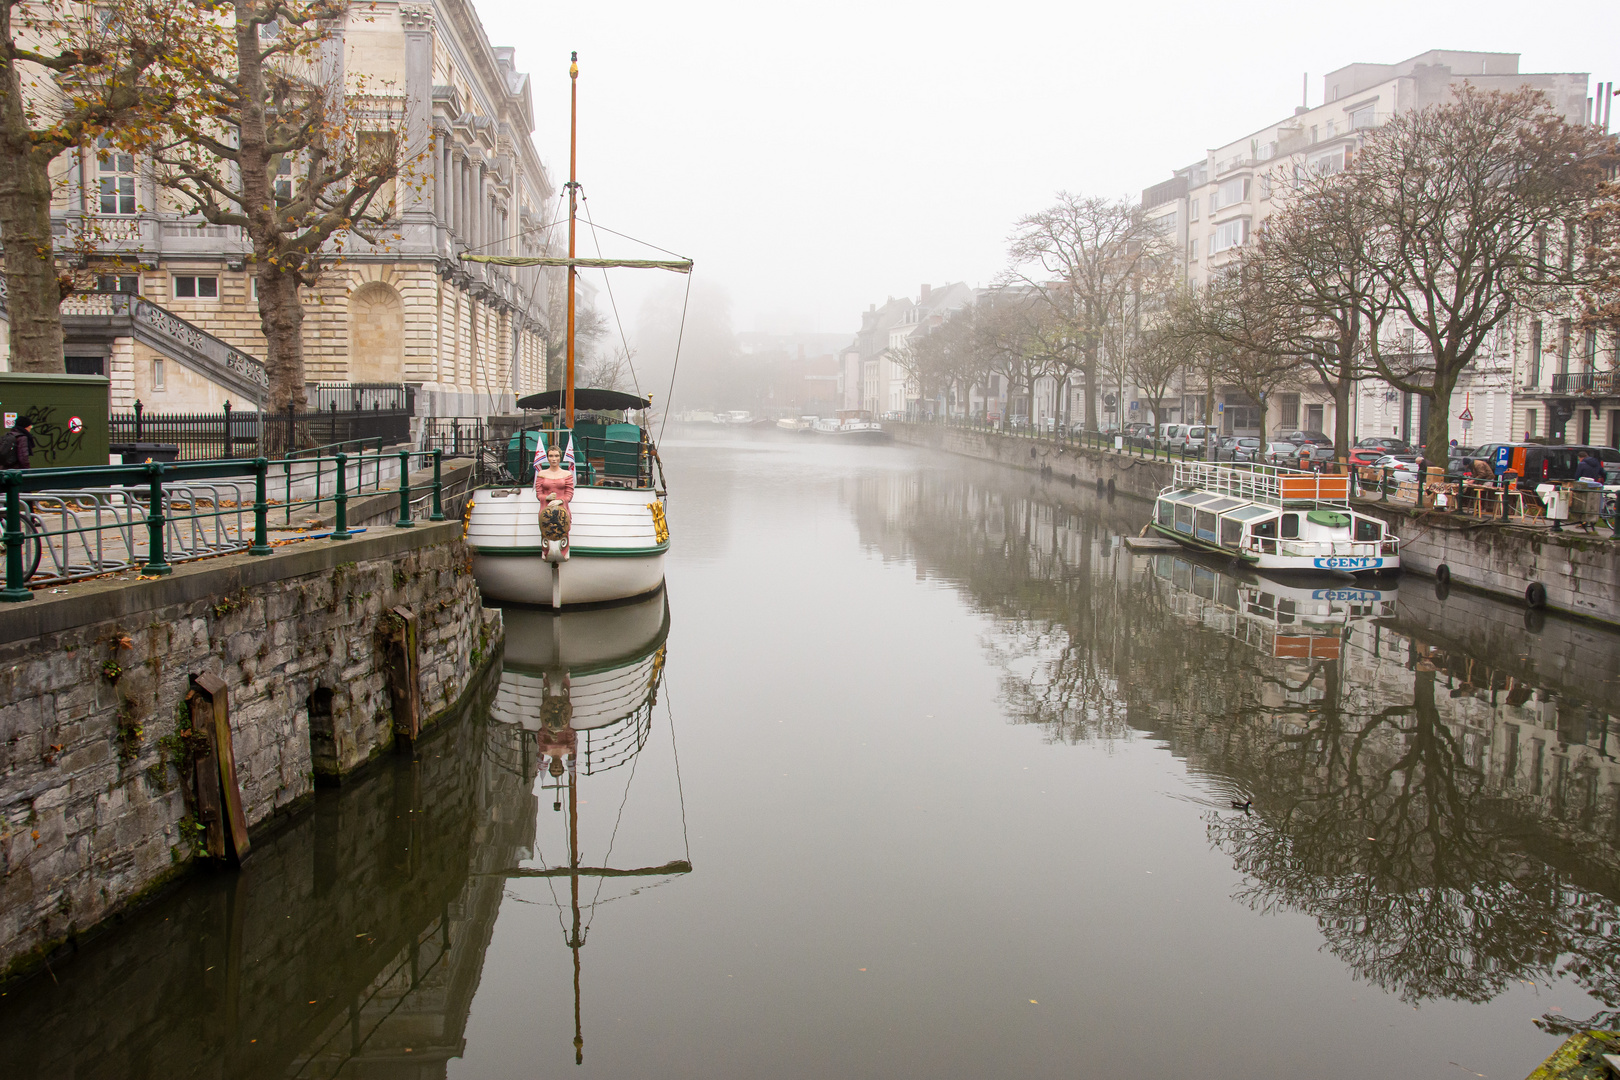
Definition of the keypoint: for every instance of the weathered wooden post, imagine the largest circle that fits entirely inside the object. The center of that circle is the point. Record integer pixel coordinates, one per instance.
(403, 666)
(219, 797)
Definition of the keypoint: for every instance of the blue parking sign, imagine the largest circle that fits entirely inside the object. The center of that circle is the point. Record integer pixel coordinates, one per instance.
(1502, 455)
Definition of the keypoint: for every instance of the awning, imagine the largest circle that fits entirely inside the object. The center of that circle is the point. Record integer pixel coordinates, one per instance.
(587, 398)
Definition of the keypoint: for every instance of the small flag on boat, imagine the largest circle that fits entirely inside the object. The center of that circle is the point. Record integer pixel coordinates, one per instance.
(568, 454)
(540, 451)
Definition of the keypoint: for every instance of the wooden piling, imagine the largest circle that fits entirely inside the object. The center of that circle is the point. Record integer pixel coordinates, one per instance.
(219, 796)
(404, 684)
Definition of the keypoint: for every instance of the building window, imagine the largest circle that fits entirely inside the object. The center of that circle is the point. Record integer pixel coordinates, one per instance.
(196, 287)
(1563, 347)
(1193, 216)
(1235, 190)
(1590, 352)
(1192, 250)
(1167, 224)
(1529, 423)
(1533, 375)
(1230, 235)
(1265, 186)
(115, 175)
(284, 177)
(157, 373)
(125, 284)
(1363, 117)
(1328, 164)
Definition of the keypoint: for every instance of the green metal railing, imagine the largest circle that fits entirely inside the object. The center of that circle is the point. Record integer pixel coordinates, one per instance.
(128, 487)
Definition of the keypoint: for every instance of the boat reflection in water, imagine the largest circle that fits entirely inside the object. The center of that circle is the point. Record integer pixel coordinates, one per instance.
(583, 685)
(1298, 618)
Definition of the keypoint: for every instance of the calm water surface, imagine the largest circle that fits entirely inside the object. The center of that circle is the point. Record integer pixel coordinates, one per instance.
(916, 771)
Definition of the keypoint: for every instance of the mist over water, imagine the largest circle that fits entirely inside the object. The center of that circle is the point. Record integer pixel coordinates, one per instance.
(954, 772)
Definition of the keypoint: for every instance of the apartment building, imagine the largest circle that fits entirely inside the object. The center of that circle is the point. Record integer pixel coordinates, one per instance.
(1212, 208)
(874, 378)
(472, 337)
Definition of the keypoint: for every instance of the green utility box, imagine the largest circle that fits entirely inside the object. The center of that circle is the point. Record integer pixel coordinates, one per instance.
(69, 413)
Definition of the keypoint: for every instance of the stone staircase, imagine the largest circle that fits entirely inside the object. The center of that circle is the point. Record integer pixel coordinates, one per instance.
(103, 316)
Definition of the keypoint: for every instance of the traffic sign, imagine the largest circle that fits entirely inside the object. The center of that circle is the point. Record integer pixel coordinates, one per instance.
(1467, 415)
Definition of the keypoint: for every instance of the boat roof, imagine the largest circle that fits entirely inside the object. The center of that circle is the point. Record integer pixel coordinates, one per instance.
(1268, 484)
(585, 397)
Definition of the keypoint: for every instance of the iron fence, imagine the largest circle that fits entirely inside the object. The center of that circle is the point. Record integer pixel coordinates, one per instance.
(72, 523)
(234, 432)
(361, 397)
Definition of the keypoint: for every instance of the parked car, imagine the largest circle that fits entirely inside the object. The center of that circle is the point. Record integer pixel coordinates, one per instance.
(1286, 455)
(1404, 467)
(1533, 463)
(1192, 440)
(1237, 448)
(1306, 436)
(1387, 443)
(1139, 434)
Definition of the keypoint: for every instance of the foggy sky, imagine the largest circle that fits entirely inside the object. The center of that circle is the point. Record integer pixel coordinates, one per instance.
(815, 158)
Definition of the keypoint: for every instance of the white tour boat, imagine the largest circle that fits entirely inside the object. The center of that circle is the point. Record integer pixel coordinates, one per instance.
(1273, 519)
(616, 541)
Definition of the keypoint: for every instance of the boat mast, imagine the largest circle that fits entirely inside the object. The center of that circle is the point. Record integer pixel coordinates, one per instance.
(578, 939)
(573, 191)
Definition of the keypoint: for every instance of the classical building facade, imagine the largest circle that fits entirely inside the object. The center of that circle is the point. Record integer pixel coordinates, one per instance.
(472, 337)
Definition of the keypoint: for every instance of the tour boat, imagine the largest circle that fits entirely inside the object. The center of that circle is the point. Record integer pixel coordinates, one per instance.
(1293, 619)
(618, 535)
(853, 426)
(1273, 518)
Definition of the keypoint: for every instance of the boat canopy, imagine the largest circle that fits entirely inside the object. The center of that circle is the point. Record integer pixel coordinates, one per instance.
(587, 398)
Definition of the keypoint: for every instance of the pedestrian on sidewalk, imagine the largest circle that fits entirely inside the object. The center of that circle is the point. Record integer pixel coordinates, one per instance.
(1590, 468)
(17, 444)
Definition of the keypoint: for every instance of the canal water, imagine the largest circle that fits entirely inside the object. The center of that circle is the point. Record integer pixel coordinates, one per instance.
(916, 770)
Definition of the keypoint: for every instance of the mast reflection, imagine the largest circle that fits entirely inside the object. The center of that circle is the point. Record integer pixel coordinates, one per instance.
(582, 685)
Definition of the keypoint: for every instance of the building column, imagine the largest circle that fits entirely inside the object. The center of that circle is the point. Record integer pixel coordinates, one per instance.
(418, 22)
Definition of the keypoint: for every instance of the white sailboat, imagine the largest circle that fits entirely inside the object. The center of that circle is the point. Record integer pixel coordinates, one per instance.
(618, 536)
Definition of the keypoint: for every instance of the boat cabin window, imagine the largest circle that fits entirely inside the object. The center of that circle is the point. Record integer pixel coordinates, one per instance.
(1206, 525)
(1167, 513)
(1184, 519)
(1367, 529)
(1231, 533)
(1290, 526)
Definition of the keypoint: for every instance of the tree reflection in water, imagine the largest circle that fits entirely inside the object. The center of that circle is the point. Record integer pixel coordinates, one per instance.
(1449, 825)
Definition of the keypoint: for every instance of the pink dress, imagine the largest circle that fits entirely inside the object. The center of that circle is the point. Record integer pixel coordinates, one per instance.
(547, 488)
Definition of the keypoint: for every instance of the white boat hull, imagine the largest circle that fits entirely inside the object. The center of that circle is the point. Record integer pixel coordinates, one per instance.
(615, 550)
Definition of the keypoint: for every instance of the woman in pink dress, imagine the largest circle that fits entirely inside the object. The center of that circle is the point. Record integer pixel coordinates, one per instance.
(554, 487)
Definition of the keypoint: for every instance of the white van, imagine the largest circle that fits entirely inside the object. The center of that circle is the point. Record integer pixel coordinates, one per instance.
(1169, 433)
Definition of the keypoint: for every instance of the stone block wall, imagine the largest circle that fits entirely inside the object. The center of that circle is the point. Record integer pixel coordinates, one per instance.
(92, 677)
(1580, 571)
(1137, 478)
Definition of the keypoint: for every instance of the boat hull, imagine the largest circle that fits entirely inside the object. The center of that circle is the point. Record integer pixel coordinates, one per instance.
(1303, 564)
(615, 550)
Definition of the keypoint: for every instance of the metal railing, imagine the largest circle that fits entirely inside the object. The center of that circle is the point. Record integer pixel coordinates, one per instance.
(68, 524)
(1270, 484)
(1595, 383)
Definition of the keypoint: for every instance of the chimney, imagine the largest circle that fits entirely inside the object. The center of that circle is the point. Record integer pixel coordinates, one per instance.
(923, 299)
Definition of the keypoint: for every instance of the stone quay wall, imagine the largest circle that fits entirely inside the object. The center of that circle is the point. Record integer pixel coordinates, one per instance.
(1138, 478)
(93, 676)
(1580, 571)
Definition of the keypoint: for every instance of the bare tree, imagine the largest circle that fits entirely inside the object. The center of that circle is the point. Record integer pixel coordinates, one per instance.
(1308, 260)
(71, 73)
(1007, 338)
(1466, 206)
(1082, 256)
(267, 143)
(1244, 333)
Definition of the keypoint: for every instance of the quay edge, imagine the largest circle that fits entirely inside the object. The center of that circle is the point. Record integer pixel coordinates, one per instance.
(92, 676)
(1579, 571)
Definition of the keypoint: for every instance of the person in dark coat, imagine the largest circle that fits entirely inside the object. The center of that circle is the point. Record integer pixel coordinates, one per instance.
(1590, 467)
(22, 440)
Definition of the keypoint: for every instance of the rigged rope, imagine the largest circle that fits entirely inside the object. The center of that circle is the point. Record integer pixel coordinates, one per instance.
(669, 397)
(635, 380)
(680, 266)
(670, 712)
